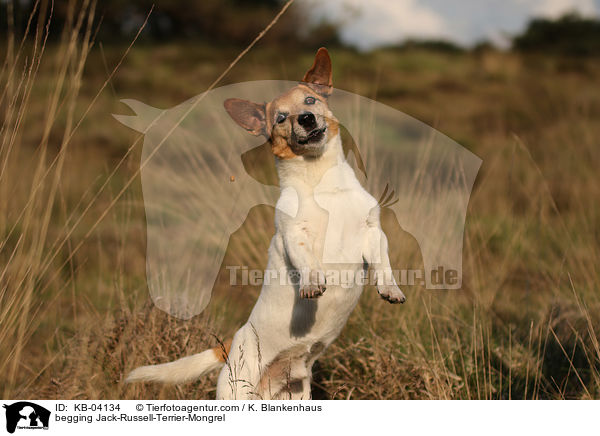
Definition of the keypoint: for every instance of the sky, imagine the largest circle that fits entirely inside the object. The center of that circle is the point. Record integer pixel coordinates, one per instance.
(367, 24)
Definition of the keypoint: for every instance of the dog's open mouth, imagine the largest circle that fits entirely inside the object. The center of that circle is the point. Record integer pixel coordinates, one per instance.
(314, 136)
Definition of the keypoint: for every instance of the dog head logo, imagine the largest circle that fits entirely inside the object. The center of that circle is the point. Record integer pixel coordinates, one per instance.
(26, 415)
(198, 188)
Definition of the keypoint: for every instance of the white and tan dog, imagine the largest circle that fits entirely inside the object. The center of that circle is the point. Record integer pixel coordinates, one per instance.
(325, 223)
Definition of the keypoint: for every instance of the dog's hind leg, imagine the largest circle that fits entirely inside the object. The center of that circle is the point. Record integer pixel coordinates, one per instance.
(375, 253)
(240, 376)
(305, 393)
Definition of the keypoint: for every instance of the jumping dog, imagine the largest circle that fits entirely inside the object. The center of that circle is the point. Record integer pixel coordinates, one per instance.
(324, 218)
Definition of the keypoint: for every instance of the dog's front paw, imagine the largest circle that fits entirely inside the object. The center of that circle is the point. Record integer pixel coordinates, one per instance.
(391, 293)
(314, 285)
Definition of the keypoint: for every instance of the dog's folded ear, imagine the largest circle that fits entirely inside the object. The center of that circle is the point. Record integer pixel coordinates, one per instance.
(319, 77)
(251, 116)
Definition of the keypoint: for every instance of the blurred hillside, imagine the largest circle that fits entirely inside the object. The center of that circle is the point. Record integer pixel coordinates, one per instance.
(237, 22)
(229, 22)
(568, 35)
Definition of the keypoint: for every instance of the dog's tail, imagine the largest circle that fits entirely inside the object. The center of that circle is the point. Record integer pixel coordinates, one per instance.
(183, 370)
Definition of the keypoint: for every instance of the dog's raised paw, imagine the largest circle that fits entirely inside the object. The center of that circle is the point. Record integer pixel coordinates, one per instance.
(391, 293)
(316, 286)
(312, 291)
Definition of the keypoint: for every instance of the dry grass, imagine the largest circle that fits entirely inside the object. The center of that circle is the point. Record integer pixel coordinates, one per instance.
(74, 308)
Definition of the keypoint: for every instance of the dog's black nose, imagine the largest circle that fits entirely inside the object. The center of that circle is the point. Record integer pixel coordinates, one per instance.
(307, 120)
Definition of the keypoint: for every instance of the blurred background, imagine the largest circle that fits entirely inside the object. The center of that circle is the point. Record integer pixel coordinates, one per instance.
(561, 26)
(513, 81)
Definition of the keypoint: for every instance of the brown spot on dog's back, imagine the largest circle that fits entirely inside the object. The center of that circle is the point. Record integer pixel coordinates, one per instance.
(221, 352)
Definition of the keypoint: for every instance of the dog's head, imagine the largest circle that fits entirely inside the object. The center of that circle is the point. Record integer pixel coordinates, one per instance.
(298, 122)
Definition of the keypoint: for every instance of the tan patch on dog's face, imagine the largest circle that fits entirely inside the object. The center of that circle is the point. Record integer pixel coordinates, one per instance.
(333, 128)
(282, 121)
(281, 148)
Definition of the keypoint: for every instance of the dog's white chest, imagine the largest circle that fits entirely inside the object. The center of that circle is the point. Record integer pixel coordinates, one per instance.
(333, 213)
(347, 206)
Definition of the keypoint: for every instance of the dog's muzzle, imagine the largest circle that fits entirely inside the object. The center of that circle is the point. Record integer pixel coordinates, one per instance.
(315, 135)
(312, 131)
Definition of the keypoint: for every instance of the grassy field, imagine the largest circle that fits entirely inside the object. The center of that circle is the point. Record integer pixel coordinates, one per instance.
(75, 314)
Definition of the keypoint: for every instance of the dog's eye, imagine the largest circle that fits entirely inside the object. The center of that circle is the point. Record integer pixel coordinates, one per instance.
(281, 118)
(309, 100)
